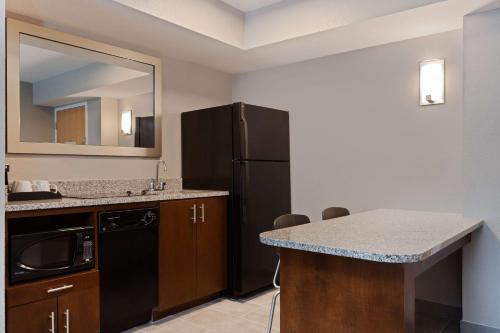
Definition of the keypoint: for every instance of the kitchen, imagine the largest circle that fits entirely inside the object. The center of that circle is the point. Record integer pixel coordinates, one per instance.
(358, 139)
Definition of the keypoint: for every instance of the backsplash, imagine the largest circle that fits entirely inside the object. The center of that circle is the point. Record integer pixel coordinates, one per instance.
(118, 186)
(109, 187)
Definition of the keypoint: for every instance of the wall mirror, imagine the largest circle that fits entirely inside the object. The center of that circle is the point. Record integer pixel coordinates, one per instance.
(70, 95)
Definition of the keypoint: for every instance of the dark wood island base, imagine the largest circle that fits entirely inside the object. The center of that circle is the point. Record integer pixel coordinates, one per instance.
(323, 293)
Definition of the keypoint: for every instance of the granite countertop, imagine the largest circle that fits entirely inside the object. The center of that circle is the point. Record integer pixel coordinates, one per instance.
(75, 202)
(383, 235)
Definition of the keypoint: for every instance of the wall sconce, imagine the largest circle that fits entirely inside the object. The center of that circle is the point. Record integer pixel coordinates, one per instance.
(126, 122)
(432, 82)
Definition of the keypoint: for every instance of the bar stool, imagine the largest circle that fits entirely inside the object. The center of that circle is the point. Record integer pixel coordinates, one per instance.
(283, 221)
(334, 212)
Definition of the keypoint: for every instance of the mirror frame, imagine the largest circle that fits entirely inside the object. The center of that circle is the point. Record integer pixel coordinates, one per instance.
(14, 144)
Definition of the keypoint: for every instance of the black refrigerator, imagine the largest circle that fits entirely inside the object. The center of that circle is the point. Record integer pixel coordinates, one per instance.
(244, 149)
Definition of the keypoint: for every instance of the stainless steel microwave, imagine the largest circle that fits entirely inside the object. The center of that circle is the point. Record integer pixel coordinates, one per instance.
(48, 253)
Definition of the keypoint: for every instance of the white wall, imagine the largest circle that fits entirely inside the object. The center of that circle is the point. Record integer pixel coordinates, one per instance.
(109, 121)
(482, 166)
(359, 139)
(185, 87)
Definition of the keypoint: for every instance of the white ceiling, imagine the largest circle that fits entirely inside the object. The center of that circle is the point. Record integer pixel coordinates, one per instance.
(251, 5)
(213, 34)
(124, 89)
(39, 64)
(266, 25)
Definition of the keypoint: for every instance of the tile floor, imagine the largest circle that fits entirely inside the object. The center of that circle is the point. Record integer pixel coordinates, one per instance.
(219, 316)
(250, 316)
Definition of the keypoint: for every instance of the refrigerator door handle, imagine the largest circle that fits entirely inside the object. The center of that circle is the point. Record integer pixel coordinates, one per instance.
(243, 200)
(244, 132)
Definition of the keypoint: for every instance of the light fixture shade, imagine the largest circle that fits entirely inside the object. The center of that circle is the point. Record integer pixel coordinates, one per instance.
(432, 82)
(126, 122)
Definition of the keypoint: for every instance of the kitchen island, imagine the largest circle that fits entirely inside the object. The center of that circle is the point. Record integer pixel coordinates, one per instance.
(357, 273)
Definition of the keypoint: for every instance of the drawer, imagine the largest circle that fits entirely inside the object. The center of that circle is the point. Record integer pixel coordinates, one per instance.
(53, 287)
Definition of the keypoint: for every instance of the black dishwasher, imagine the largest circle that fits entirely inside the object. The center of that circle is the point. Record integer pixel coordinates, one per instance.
(128, 265)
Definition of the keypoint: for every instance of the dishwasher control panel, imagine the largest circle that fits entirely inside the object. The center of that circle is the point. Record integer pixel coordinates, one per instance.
(128, 219)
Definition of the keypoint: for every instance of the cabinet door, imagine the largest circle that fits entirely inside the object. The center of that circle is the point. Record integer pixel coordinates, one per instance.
(38, 316)
(212, 244)
(177, 257)
(78, 311)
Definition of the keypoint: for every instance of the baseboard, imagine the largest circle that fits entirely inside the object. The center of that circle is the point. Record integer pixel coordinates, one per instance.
(438, 310)
(468, 327)
(162, 313)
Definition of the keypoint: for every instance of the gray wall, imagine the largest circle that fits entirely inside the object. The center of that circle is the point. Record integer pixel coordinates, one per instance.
(358, 136)
(37, 122)
(94, 121)
(482, 166)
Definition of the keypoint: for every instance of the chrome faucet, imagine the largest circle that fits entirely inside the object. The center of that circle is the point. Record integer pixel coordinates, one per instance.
(159, 186)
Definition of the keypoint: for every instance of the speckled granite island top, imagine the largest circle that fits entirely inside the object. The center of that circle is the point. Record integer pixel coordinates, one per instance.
(74, 202)
(383, 235)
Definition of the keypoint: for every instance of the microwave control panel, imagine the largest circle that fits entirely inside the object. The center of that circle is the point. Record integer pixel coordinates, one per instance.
(88, 247)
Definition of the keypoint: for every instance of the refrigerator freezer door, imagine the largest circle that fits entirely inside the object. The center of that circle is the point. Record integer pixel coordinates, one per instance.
(262, 193)
(207, 150)
(260, 133)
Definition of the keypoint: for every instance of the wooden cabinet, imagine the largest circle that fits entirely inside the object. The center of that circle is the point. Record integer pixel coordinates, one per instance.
(177, 257)
(192, 251)
(33, 317)
(79, 311)
(60, 305)
(211, 273)
(192, 267)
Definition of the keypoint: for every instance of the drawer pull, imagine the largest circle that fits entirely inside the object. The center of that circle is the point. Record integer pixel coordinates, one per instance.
(52, 323)
(202, 209)
(193, 218)
(53, 290)
(66, 316)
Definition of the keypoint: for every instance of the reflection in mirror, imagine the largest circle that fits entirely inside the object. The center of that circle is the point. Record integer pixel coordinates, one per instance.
(71, 95)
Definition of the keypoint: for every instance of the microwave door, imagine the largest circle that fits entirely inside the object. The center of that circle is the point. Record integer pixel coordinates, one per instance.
(43, 254)
(48, 254)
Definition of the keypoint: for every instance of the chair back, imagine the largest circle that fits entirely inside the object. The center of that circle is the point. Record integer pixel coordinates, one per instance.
(290, 220)
(334, 212)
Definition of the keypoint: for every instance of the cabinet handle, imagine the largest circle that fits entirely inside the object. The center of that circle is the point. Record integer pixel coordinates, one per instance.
(52, 323)
(66, 317)
(193, 218)
(53, 290)
(202, 210)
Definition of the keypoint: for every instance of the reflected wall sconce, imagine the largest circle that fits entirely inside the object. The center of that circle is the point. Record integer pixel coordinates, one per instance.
(126, 122)
(432, 82)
